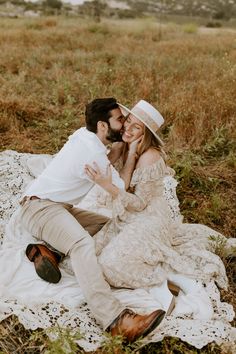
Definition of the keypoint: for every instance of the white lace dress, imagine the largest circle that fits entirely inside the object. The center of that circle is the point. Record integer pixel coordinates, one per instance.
(143, 244)
(199, 317)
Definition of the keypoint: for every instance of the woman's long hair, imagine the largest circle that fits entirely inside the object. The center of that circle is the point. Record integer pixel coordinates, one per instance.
(149, 141)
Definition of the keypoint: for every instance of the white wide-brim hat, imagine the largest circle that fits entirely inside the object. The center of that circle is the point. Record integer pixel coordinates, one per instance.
(149, 115)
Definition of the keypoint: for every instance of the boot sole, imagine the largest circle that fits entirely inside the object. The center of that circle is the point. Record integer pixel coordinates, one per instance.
(45, 269)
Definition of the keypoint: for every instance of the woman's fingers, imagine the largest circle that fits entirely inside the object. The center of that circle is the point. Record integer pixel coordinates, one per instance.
(90, 171)
(95, 174)
(137, 141)
(96, 167)
(134, 145)
(141, 138)
(89, 174)
(102, 179)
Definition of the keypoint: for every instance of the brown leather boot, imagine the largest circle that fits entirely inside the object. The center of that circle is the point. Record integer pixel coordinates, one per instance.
(132, 326)
(45, 262)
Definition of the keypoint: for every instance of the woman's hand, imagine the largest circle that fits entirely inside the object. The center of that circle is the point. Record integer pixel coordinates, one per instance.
(133, 147)
(103, 180)
(95, 174)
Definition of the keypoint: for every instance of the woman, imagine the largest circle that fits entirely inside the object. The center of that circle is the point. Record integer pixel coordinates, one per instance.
(142, 245)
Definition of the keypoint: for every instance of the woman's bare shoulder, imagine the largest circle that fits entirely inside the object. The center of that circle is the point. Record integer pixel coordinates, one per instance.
(149, 157)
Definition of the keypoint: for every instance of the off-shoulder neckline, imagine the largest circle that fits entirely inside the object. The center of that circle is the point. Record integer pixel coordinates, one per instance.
(160, 160)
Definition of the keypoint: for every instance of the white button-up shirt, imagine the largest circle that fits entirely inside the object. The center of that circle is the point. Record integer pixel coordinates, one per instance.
(64, 179)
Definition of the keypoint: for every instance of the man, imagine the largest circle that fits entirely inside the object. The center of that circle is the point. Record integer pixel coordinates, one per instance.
(48, 214)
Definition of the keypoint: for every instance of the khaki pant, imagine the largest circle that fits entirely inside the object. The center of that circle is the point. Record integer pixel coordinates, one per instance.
(63, 227)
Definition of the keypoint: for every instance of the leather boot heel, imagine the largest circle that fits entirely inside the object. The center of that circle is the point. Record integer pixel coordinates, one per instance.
(31, 252)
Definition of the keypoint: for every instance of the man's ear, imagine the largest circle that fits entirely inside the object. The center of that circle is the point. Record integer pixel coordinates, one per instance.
(101, 126)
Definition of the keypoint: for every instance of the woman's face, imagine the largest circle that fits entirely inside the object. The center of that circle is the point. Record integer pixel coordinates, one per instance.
(133, 129)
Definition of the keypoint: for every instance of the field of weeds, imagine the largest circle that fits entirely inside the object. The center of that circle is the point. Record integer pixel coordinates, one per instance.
(50, 68)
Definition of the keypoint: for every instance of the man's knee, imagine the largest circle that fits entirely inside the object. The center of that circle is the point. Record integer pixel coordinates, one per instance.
(85, 242)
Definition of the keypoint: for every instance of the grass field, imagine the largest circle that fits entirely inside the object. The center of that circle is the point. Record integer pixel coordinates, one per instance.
(51, 67)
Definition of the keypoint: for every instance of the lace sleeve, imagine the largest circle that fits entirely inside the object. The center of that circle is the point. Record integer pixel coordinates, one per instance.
(136, 201)
(146, 182)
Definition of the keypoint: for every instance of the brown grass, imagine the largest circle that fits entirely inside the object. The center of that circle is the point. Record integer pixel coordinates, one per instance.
(49, 70)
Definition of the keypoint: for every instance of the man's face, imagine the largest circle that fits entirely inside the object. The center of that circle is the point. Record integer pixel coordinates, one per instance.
(115, 126)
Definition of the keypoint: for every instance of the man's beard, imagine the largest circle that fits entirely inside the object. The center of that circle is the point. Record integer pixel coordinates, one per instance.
(114, 135)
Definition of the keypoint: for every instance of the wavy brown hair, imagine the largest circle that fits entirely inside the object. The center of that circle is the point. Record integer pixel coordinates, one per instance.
(149, 140)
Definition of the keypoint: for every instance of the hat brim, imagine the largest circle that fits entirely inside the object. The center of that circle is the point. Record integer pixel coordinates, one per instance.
(126, 111)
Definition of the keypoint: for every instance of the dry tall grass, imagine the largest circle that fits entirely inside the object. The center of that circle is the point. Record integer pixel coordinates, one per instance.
(49, 70)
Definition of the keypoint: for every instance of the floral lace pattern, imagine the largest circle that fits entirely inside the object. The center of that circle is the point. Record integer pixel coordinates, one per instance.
(14, 178)
(149, 243)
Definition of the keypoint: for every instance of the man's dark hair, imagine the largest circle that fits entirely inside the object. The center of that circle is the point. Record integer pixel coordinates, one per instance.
(99, 110)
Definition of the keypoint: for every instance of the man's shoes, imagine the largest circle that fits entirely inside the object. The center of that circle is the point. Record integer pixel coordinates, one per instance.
(132, 326)
(45, 262)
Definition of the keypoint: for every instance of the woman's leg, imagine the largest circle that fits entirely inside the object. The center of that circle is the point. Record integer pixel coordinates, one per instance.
(130, 261)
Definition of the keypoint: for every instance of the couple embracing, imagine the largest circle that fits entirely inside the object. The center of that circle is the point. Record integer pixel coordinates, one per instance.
(145, 246)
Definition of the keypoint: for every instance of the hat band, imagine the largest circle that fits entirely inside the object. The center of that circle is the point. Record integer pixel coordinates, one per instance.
(145, 118)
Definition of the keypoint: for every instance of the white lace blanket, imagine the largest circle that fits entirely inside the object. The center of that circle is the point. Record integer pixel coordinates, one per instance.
(199, 317)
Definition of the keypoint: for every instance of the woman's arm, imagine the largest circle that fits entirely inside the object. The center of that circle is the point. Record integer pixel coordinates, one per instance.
(115, 152)
(129, 165)
(128, 168)
(144, 190)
